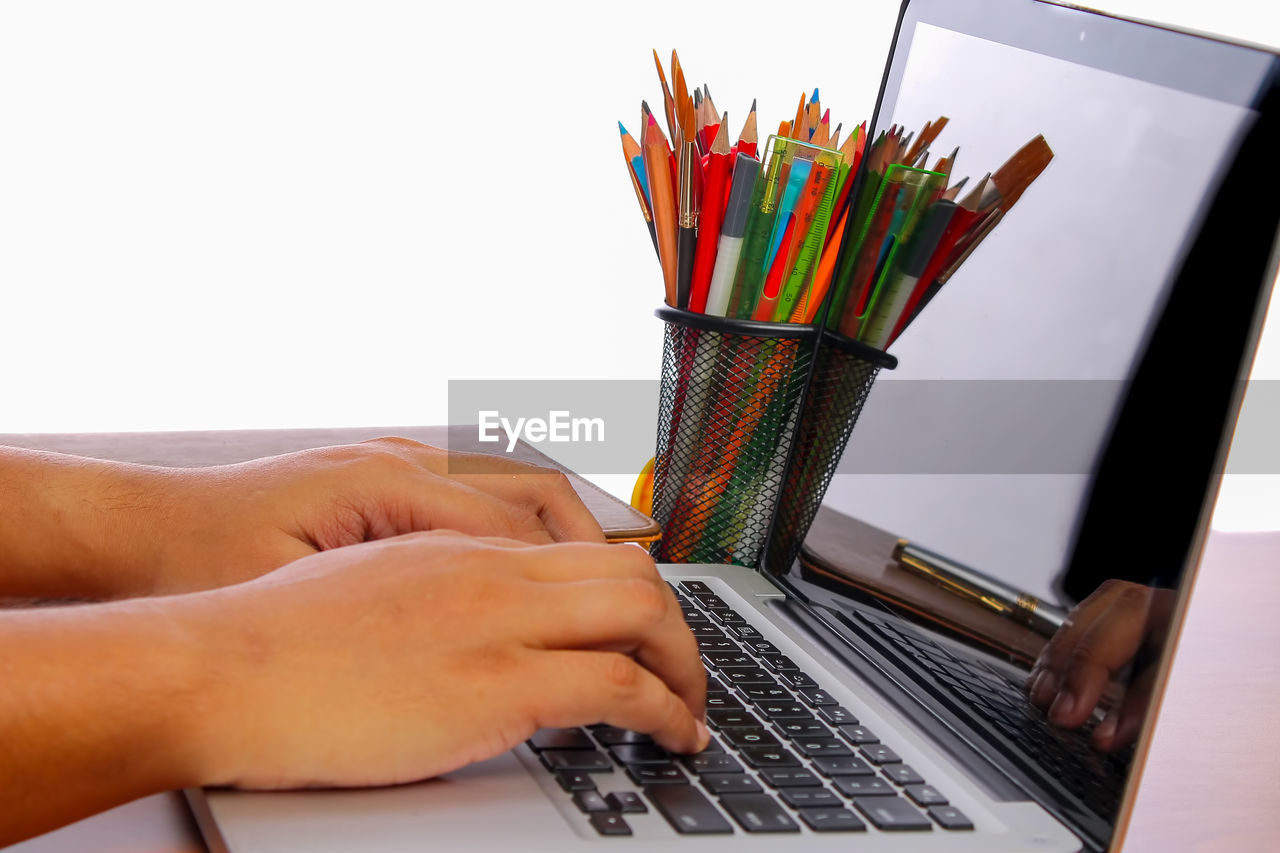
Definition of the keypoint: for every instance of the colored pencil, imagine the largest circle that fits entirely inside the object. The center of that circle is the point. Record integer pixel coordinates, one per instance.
(657, 166)
(635, 168)
(747, 138)
(710, 217)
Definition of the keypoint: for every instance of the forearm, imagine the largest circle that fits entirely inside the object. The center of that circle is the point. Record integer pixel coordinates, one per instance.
(102, 704)
(73, 527)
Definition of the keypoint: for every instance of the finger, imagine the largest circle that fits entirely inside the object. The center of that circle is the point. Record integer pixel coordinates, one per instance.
(428, 502)
(1120, 609)
(617, 612)
(1107, 645)
(1124, 721)
(573, 561)
(631, 615)
(502, 542)
(544, 492)
(582, 687)
(1045, 678)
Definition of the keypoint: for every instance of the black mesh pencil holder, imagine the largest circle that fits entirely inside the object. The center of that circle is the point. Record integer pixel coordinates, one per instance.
(727, 412)
(843, 373)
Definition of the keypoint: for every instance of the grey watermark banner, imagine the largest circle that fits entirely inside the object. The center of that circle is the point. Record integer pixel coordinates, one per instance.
(906, 427)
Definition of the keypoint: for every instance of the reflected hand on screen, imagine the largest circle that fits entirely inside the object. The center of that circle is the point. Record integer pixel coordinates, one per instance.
(1099, 643)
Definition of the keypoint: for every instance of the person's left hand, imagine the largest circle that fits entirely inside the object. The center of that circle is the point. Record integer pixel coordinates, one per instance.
(1101, 639)
(207, 527)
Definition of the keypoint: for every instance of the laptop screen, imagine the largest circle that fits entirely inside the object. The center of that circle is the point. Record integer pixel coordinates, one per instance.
(1057, 416)
(986, 443)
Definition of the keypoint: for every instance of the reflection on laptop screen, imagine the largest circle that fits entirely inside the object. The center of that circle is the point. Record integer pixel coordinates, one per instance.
(1062, 297)
(1058, 408)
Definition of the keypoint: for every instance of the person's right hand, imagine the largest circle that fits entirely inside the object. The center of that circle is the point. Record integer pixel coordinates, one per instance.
(408, 657)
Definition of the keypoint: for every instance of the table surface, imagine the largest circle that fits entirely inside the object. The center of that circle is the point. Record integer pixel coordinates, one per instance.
(1211, 781)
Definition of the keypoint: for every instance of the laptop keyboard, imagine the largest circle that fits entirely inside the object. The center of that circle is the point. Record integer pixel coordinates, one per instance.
(982, 695)
(784, 754)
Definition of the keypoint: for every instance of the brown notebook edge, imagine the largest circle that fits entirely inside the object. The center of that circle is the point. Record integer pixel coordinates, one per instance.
(857, 556)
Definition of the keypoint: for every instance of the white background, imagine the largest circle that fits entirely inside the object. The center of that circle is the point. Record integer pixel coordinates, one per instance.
(291, 214)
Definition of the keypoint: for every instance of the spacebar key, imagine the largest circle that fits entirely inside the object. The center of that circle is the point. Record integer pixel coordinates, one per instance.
(686, 809)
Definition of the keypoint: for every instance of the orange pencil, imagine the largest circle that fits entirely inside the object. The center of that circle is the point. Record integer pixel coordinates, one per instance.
(801, 131)
(657, 167)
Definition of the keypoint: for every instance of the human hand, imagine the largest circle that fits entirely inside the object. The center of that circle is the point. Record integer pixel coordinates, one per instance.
(214, 526)
(1101, 638)
(406, 658)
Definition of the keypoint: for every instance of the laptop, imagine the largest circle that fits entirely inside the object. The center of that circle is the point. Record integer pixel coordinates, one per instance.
(1136, 268)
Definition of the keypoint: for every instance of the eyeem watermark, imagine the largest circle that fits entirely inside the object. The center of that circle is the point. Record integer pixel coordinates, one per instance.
(1008, 427)
(559, 426)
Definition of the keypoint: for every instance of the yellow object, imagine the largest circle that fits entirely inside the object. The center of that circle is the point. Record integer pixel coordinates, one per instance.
(642, 494)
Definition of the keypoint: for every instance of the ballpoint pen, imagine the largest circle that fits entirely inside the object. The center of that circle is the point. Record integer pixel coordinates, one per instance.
(994, 595)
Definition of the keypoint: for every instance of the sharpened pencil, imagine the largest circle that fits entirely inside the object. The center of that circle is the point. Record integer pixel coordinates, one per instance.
(632, 154)
(710, 217)
(748, 137)
(657, 165)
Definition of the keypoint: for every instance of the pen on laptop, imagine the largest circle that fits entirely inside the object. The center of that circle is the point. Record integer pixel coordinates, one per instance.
(986, 591)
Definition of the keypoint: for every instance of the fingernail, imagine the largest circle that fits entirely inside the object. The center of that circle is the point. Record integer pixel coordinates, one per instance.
(704, 736)
(1045, 687)
(1062, 707)
(1033, 681)
(1106, 730)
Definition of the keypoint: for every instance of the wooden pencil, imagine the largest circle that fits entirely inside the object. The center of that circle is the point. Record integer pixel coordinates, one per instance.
(710, 217)
(925, 138)
(801, 132)
(657, 165)
(747, 139)
(954, 190)
(706, 96)
(630, 151)
(822, 135)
